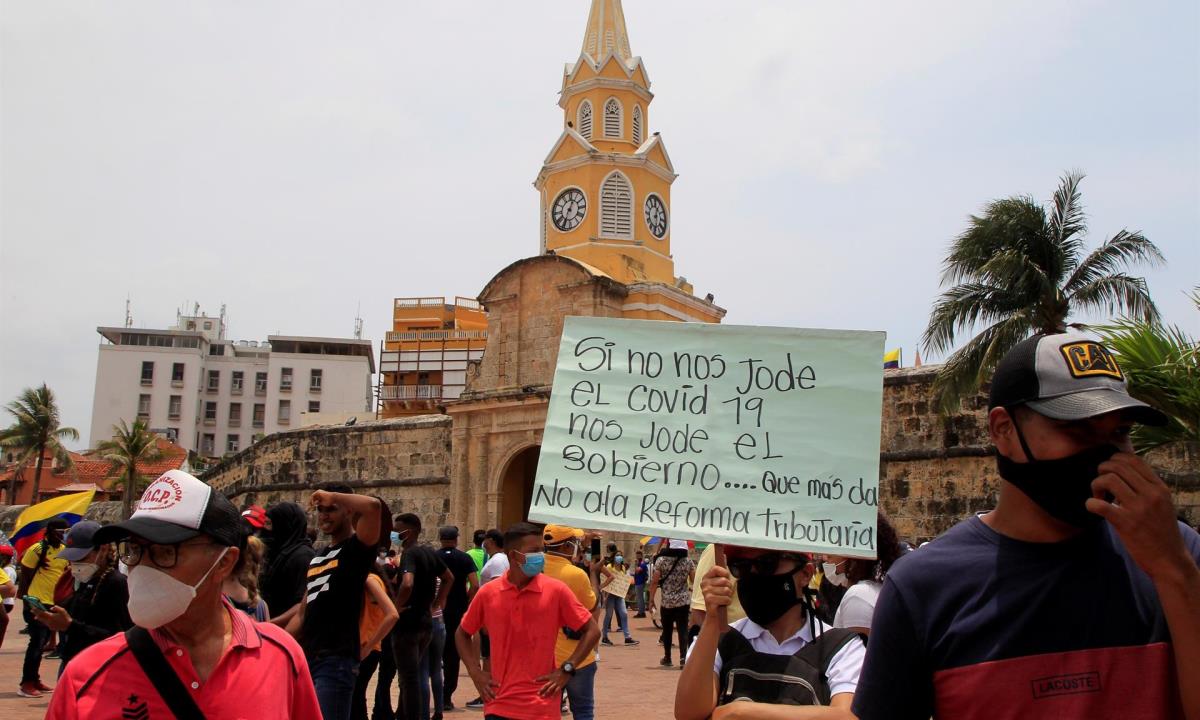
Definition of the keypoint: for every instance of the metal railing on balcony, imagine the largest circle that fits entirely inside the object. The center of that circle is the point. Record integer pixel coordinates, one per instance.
(410, 392)
(420, 302)
(469, 303)
(436, 335)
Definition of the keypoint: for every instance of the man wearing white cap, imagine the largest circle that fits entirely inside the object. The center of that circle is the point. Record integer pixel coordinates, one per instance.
(1077, 596)
(191, 655)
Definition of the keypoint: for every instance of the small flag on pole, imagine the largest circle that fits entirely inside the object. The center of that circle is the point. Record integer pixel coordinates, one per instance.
(31, 523)
(891, 359)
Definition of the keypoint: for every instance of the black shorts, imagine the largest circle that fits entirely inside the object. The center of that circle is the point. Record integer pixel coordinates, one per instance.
(485, 646)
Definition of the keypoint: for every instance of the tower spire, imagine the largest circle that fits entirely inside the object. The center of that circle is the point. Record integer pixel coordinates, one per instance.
(606, 31)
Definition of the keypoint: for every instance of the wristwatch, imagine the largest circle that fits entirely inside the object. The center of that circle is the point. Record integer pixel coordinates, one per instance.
(568, 668)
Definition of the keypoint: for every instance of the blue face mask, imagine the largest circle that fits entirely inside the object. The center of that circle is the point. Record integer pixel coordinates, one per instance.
(534, 564)
(395, 538)
(620, 560)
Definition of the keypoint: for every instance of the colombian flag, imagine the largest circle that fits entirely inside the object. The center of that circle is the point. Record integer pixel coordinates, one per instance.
(891, 359)
(31, 524)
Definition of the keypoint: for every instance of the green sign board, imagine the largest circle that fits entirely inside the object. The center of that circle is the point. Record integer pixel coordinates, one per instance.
(758, 436)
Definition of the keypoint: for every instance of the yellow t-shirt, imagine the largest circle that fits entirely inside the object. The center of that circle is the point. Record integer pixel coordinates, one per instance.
(46, 577)
(561, 568)
(4, 578)
(372, 614)
(708, 558)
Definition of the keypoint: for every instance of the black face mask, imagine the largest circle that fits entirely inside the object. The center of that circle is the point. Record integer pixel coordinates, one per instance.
(1060, 487)
(765, 598)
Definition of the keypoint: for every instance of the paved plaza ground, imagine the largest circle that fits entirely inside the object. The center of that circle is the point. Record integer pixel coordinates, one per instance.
(629, 686)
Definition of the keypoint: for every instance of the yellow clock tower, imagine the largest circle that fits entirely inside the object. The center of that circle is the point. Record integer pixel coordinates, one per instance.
(605, 186)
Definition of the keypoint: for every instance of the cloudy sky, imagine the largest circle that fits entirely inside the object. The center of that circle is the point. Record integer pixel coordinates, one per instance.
(297, 160)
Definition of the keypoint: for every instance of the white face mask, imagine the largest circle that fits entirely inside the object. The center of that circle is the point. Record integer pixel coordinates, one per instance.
(835, 577)
(156, 598)
(83, 572)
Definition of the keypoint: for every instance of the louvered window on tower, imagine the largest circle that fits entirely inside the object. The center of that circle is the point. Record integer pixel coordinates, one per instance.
(585, 119)
(637, 125)
(612, 118)
(609, 41)
(616, 207)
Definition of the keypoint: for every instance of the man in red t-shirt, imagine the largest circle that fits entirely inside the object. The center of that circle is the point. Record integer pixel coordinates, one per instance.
(522, 612)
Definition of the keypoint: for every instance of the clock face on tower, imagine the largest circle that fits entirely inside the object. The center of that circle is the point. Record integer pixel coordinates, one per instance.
(569, 209)
(656, 216)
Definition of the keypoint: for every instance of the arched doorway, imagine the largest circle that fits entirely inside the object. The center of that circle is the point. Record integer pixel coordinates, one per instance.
(516, 487)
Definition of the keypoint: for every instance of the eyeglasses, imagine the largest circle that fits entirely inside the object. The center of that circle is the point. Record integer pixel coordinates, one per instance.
(767, 564)
(164, 556)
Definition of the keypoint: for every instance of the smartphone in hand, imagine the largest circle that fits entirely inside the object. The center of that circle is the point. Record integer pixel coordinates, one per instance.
(36, 604)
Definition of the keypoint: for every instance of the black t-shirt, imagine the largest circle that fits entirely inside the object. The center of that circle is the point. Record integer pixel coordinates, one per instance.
(337, 577)
(461, 565)
(98, 609)
(979, 625)
(426, 567)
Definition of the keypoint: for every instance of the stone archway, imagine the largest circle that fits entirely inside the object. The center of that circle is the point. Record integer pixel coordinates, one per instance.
(516, 486)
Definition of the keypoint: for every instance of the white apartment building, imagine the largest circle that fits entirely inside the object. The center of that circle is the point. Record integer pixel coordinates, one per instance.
(215, 396)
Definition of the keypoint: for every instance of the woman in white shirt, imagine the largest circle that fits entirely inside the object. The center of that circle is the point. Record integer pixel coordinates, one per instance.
(864, 578)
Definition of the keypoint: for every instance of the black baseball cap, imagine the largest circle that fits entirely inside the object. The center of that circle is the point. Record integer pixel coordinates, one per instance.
(177, 507)
(80, 541)
(1066, 377)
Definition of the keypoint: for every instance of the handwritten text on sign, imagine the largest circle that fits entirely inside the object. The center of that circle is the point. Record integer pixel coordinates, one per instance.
(767, 437)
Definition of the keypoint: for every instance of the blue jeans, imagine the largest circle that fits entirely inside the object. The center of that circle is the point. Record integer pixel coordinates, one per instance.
(613, 603)
(640, 591)
(581, 691)
(333, 677)
(430, 672)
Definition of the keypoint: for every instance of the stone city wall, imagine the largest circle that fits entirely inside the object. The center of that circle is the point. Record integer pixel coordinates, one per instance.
(403, 460)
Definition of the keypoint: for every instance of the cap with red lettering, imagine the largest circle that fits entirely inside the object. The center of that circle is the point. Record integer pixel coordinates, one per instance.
(178, 507)
(1066, 377)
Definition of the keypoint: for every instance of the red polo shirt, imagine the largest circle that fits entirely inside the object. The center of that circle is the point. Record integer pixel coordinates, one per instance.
(262, 675)
(523, 626)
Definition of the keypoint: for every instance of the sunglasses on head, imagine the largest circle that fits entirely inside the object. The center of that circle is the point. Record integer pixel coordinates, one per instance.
(767, 564)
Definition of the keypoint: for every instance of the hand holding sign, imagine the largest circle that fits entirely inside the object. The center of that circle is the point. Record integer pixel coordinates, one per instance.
(766, 437)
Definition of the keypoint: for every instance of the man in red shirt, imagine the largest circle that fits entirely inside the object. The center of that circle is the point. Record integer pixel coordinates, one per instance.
(182, 542)
(522, 612)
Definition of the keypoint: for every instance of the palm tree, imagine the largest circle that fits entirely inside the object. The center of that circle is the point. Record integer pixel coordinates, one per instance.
(130, 447)
(1020, 270)
(35, 431)
(1162, 366)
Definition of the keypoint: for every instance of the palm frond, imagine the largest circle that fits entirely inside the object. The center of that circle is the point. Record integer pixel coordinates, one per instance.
(1005, 224)
(1067, 221)
(1116, 293)
(965, 370)
(1117, 253)
(961, 307)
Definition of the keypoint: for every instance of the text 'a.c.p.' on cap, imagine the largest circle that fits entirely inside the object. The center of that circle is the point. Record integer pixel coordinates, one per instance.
(1066, 377)
(177, 507)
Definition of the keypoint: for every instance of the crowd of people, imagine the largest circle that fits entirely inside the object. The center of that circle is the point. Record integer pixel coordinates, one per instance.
(1077, 596)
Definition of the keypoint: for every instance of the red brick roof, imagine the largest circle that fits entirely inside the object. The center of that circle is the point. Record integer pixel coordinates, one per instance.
(91, 469)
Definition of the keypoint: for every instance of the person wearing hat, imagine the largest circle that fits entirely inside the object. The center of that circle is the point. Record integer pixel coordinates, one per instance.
(257, 517)
(191, 654)
(466, 583)
(563, 545)
(98, 607)
(673, 572)
(41, 567)
(1077, 596)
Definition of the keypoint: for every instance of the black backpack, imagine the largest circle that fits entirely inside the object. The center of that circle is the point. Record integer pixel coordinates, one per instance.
(799, 679)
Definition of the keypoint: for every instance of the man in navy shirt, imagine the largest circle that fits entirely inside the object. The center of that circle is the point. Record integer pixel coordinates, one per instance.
(1077, 596)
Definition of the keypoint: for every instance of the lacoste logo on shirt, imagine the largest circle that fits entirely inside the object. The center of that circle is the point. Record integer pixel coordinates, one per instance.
(1085, 682)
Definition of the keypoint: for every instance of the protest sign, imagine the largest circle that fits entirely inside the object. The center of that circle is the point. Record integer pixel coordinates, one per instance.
(758, 436)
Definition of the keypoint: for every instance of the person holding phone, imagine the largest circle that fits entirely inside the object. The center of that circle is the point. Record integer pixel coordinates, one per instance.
(98, 607)
(41, 567)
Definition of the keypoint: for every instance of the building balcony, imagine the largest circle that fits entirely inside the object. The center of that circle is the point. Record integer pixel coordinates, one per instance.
(177, 383)
(285, 388)
(237, 390)
(435, 335)
(235, 422)
(410, 392)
